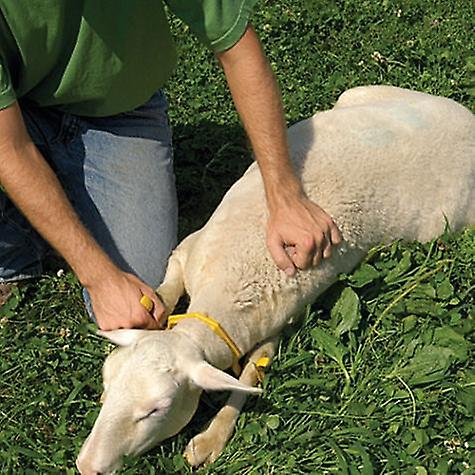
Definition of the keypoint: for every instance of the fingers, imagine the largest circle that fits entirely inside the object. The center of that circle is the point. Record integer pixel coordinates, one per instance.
(126, 302)
(335, 234)
(147, 303)
(141, 318)
(319, 245)
(154, 310)
(321, 252)
(149, 323)
(303, 254)
(279, 255)
(304, 242)
(306, 250)
(157, 312)
(327, 244)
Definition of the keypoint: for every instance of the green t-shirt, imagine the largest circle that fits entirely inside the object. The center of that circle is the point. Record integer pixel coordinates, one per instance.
(102, 57)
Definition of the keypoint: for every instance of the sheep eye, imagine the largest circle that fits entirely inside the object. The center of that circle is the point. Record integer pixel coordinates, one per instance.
(162, 406)
(149, 414)
(153, 412)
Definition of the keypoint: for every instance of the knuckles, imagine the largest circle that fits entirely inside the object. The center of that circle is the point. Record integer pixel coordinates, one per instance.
(307, 243)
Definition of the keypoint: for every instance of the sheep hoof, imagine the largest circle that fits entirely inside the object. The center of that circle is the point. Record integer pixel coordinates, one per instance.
(204, 448)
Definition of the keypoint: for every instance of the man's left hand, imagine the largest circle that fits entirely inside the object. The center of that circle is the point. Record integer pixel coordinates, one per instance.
(300, 234)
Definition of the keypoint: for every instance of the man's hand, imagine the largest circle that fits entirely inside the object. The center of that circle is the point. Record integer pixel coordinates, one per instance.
(36, 191)
(300, 234)
(116, 303)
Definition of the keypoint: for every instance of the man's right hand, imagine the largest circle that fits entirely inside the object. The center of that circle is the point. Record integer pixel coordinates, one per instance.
(116, 303)
(36, 191)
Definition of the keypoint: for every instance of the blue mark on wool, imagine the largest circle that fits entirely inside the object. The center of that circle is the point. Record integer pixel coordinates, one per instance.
(408, 116)
(403, 119)
(376, 137)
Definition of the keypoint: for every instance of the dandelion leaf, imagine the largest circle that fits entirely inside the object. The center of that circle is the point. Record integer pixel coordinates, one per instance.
(329, 345)
(364, 275)
(449, 338)
(346, 313)
(401, 268)
(429, 364)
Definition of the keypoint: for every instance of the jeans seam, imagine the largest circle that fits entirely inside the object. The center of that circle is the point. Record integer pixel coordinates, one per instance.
(25, 233)
(69, 129)
(32, 123)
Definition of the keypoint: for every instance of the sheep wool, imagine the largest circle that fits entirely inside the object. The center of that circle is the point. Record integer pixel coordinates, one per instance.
(385, 163)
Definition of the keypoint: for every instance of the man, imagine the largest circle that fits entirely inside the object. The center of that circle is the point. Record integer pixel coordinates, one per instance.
(85, 147)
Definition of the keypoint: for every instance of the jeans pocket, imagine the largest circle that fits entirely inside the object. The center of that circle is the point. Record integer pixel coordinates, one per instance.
(39, 131)
(148, 121)
(155, 108)
(10, 216)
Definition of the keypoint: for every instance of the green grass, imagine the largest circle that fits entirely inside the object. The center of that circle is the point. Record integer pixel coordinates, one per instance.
(378, 377)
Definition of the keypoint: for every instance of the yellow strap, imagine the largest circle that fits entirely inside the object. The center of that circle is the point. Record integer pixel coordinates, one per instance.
(262, 362)
(259, 365)
(147, 303)
(217, 329)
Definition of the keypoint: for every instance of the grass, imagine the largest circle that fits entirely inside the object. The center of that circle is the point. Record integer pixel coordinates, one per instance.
(378, 376)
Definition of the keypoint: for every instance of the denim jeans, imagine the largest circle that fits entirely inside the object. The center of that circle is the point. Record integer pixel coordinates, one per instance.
(118, 174)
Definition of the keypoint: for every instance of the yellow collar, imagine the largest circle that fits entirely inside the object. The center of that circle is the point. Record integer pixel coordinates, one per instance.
(217, 328)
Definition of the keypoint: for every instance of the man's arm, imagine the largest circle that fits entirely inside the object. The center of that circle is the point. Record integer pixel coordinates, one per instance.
(34, 188)
(294, 220)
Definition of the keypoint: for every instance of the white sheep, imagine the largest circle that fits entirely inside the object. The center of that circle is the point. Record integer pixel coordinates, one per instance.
(386, 163)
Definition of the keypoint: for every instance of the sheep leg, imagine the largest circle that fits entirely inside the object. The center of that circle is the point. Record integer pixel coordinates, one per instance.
(366, 95)
(206, 447)
(172, 287)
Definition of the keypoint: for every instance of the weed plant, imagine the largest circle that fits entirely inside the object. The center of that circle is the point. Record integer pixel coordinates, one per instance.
(378, 376)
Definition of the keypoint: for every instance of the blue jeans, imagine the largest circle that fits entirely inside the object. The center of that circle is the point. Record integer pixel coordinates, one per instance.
(118, 174)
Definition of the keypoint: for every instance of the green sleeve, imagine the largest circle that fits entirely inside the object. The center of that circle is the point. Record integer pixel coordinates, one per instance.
(219, 24)
(7, 94)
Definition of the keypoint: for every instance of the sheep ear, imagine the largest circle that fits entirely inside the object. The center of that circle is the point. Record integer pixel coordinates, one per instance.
(209, 378)
(123, 337)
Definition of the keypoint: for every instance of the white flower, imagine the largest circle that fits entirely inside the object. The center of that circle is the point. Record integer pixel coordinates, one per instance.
(64, 332)
(378, 57)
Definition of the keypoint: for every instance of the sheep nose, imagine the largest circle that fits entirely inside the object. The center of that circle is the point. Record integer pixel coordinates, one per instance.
(89, 472)
(84, 470)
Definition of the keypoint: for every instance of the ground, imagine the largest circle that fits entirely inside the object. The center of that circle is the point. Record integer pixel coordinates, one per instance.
(378, 375)
(5, 292)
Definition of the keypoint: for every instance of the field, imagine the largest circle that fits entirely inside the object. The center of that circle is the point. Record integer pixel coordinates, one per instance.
(378, 375)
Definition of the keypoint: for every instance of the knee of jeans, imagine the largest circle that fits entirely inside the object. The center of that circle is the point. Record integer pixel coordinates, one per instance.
(21, 253)
(88, 304)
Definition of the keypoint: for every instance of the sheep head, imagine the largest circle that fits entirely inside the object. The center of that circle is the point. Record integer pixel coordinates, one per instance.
(152, 384)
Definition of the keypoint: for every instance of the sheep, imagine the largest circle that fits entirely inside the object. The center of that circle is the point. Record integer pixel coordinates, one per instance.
(386, 163)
